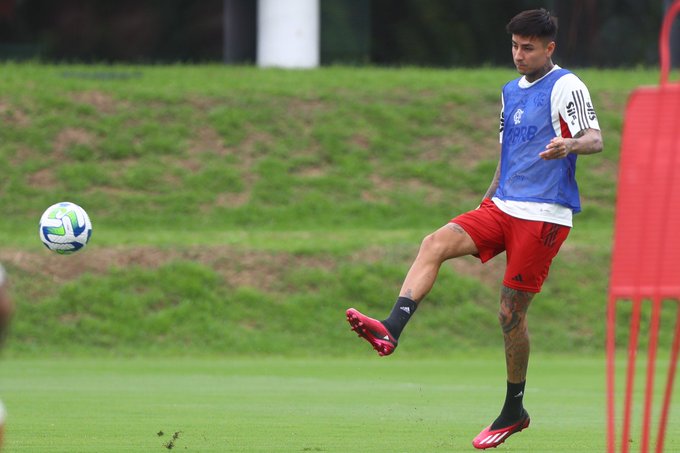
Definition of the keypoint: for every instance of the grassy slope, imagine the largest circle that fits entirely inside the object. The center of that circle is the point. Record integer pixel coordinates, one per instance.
(240, 210)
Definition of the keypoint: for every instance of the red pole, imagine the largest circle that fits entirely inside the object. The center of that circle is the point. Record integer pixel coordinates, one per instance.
(611, 374)
(630, 374)
(664, 41)
(651, 367)
(663, 421)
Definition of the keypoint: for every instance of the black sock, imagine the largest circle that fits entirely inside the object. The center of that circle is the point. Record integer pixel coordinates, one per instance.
(513, 407)
(401, 313)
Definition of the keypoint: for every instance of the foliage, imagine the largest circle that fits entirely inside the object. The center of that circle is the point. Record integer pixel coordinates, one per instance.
(442, 33)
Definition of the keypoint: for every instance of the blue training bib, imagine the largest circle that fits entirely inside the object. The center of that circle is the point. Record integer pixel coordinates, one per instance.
(527, 130)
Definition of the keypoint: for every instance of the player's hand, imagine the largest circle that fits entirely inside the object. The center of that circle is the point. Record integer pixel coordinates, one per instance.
(558, 148)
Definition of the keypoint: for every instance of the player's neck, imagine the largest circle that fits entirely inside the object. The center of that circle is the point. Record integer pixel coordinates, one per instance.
(531, 78)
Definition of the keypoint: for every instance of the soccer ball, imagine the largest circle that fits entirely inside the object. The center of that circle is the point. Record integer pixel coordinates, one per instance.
(65, 228)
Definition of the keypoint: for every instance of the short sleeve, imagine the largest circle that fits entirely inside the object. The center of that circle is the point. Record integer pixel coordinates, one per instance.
(571, 100)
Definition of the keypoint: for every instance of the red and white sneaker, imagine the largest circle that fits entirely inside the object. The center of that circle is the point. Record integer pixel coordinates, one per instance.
(372, 331)
(492, 439)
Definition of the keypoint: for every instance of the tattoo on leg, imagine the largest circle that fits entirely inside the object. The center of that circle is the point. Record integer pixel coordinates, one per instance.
(514, 305)
(409, 294)
(512, 317)
(455, 227)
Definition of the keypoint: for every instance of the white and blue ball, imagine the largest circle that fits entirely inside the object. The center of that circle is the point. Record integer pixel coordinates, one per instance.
(65, 228)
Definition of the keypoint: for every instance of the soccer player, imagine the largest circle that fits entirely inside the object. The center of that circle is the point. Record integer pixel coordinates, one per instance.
(547, 119)
(6, 309)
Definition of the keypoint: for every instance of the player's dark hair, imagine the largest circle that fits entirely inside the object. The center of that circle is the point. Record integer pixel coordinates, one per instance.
(534, 22)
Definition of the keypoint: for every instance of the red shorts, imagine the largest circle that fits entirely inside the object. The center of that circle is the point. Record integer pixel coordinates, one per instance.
(530, 245)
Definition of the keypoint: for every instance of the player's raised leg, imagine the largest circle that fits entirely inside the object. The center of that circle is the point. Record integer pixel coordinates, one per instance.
(449, 241)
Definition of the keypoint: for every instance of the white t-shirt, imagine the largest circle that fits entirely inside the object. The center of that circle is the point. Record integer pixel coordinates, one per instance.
(572, 111)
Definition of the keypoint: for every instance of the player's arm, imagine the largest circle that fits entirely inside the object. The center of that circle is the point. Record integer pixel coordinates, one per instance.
(6, 306)
(576, 126)
(494, 182)
(497, 175)
(587, 141)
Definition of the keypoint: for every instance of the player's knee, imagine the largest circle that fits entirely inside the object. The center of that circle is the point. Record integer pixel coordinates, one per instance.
(511, 320)
(433, 247)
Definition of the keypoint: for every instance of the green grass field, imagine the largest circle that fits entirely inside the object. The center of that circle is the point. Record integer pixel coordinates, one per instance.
(237, 213)
(294, 405)
(362, 404)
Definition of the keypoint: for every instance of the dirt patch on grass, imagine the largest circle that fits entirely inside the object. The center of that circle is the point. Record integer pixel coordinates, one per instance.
(12, 116)
(262, 270)
(102, 102)
(246, 154)
(360, 141)
(439, 148)
(229, 200)
(44, 179)
(71, 136)
(257, 269)
(312, 171)
(381, 186)
(204, 104)
(307, 109)
(384, 187)
(207, 140)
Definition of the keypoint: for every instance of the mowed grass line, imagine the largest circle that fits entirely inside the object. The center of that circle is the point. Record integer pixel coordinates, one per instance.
(363, 404)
